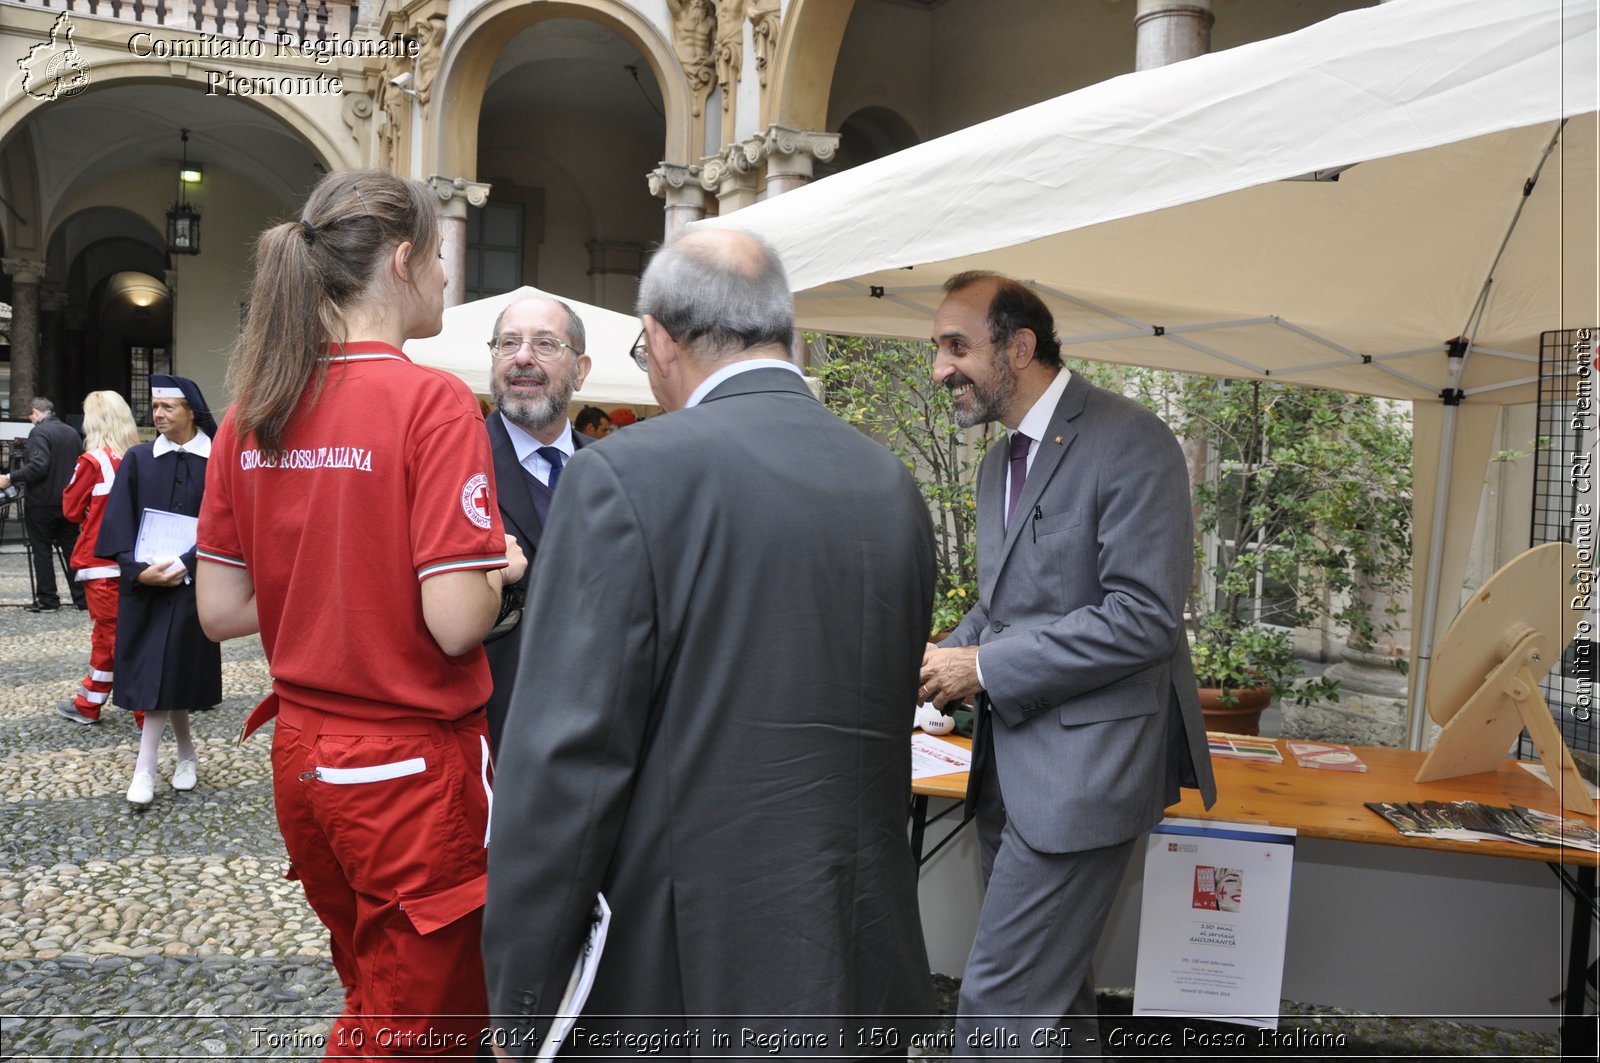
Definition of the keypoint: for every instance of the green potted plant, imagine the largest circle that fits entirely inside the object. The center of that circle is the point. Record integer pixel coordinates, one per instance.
(1304, 518)
(1302, 507)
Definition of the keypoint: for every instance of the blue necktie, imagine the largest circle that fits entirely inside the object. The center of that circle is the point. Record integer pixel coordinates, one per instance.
(556, 460)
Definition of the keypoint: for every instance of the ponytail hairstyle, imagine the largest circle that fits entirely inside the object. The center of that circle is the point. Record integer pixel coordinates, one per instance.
(107, 422)
(308, 273)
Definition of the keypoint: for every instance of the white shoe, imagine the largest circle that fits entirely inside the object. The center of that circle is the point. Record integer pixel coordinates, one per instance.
(143, 788)
(183, 776)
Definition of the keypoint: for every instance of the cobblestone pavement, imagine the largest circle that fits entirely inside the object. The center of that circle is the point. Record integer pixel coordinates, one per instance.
(171, 933)
(148, 934)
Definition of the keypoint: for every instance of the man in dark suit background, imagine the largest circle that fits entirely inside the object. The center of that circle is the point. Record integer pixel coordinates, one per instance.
(50, 455)
(1088, 717)
(730, 604)
(537, 349)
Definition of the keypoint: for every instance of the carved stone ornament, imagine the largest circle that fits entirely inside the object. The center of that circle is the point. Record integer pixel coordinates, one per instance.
(694, 28)
(355, 110)
(764, 18)
(430, 49)
(730, 49)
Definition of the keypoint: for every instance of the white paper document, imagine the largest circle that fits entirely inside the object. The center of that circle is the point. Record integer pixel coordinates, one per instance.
(1538, 772)
(934, 756)
(581, 981)
(1214, 921)
(163, 534)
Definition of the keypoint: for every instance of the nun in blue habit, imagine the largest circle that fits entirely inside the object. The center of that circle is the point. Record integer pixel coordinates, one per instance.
(165, 665)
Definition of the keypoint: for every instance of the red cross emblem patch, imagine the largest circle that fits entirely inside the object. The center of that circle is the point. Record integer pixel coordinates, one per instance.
(475, 500)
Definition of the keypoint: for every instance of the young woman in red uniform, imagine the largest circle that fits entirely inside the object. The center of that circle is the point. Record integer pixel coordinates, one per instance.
(109, 431)
(349, 516)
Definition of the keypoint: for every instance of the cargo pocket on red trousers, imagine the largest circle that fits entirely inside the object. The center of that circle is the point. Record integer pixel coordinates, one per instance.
(432, 911)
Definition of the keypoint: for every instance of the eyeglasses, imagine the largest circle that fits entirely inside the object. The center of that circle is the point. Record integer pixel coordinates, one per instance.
(545, 348)
(637, 352)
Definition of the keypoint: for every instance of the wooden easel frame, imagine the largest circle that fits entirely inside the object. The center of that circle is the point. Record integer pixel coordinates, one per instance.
(1476, 738)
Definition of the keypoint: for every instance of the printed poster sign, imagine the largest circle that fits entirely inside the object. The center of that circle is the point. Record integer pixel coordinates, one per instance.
(1214, 921)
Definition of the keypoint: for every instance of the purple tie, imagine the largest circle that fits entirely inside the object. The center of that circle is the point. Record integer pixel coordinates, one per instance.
(1019, 471)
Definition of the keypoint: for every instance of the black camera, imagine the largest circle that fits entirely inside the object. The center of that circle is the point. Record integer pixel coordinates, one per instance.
(511, 602)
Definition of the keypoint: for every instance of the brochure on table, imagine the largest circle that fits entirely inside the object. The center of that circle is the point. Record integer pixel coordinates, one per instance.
(1214, 921)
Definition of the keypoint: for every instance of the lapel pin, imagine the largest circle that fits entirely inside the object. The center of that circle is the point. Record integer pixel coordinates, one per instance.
(1058, 439)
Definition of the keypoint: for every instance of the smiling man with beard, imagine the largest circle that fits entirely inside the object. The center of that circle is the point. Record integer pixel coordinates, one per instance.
(537, 363)
(1088, 723)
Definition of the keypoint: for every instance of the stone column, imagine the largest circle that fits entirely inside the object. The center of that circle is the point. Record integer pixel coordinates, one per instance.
(789, 155)
(731, 175)
(685, 199)
(25, 276)
(53, 377)
(455, 195)
(1170, 31)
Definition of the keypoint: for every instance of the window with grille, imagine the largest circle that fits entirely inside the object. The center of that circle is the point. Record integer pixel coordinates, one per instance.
(494, 249)
(142, 361)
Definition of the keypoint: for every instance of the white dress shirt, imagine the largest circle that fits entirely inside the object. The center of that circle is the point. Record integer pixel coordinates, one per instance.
(527, 448)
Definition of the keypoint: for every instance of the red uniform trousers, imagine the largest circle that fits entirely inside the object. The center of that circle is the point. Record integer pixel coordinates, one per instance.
(102, 598)
(385, 824)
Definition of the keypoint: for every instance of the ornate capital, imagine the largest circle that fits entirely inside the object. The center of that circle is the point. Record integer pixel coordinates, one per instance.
(670, 177)
(23, 270)
(732, 163)
(781, 140)
(457, 193)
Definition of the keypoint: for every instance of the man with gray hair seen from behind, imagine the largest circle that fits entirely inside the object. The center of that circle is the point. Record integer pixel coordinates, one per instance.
(537, 361)
(739, 592)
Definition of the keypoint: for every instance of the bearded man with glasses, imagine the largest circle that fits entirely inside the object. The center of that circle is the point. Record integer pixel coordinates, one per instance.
(537, 360)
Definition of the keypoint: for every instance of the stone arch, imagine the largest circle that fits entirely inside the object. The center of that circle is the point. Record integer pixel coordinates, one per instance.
(450, 138)
(802, 75)
(869, 133)
(73, 236)
(331, 155)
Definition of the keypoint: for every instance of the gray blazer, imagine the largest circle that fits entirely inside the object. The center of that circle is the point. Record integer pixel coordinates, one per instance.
(731, 604)
(1080, 623)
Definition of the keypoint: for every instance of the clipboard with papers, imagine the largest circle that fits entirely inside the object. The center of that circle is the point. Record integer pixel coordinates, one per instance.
(164, 535)
(581, 981)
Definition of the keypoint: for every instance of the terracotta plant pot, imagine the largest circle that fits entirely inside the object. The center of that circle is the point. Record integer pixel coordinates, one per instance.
(1244, 718)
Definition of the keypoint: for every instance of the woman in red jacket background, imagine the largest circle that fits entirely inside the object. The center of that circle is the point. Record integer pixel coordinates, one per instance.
(109, 431)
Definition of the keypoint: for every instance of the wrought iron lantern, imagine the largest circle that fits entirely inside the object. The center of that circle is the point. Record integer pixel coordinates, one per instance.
(183, 220)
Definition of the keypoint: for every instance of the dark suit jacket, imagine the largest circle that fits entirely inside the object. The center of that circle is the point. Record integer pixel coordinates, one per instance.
(723, 749)
(521, 520)
(49, 457)
(1080, 622)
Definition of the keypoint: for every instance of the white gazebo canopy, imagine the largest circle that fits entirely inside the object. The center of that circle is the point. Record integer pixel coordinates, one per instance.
(1187, 218)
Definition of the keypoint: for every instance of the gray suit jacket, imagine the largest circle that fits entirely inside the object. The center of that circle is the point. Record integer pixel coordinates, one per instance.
(1080, 623)
(521, 520)
(736, 598)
